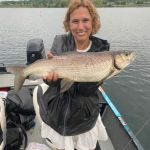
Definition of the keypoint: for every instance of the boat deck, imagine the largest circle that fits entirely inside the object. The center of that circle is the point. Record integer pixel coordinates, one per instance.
(35, 136)
(7, 80)
(119, 137)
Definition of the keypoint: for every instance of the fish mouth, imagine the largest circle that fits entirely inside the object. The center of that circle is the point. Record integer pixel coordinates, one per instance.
(132, 55)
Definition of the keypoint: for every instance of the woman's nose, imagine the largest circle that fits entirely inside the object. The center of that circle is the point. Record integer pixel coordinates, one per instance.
(80, 25)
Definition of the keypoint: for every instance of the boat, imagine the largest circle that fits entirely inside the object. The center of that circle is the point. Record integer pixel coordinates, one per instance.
(120, 135)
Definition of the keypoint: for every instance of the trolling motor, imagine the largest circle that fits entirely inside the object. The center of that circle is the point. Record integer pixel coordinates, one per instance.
(35, 50)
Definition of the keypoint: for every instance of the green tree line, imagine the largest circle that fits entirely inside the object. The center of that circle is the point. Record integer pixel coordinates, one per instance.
(64, 3)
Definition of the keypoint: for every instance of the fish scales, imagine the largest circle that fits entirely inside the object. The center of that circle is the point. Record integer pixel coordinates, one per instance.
(80, 67)
(77, 67)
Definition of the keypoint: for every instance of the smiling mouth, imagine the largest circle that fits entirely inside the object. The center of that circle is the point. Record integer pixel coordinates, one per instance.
(81, 33)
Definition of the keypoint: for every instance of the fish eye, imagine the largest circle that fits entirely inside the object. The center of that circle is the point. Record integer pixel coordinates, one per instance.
(126, 54)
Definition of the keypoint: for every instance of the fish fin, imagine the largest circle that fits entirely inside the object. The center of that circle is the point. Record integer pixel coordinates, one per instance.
(65, 85)
(19, 77)
(111, 74)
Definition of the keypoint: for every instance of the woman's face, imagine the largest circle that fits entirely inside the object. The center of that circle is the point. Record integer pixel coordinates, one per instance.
(80, 24)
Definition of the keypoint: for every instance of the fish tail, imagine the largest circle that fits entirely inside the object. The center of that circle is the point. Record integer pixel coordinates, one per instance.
(19, 76)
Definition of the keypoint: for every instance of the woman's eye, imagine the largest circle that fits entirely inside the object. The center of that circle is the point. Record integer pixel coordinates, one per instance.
(86, 20)
(75, 21)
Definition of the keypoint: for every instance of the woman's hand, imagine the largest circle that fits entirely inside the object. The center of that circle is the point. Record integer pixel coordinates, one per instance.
(49, 55)
(52, 76)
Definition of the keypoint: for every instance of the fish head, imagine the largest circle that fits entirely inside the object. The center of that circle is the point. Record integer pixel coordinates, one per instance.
(124, 58)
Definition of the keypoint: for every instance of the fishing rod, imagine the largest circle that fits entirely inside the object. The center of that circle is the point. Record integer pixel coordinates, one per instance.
(122, 121)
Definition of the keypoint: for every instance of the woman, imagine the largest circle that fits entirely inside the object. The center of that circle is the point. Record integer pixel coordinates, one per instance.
(71, 119)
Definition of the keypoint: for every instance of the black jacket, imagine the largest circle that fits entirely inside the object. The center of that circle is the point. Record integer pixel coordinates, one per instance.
(76, 110)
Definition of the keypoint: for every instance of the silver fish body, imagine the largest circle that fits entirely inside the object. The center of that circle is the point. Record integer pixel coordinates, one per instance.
(80, 67)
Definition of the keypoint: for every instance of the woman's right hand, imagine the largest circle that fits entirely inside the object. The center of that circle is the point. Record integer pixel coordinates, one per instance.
(52, 76)
(49, 55)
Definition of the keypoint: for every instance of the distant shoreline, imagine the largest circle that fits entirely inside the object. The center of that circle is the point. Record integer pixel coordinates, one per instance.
(135, 6)
(12, 5)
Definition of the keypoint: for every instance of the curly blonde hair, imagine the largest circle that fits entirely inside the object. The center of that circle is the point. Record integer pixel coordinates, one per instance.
(74, 4)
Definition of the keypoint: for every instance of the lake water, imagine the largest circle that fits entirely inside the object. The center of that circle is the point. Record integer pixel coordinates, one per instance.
(124, 28)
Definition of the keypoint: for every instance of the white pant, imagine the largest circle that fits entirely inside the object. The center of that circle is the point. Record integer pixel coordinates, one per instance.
(84, 141)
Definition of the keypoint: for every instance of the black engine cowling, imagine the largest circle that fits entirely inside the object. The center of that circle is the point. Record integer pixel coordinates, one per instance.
(35, 50)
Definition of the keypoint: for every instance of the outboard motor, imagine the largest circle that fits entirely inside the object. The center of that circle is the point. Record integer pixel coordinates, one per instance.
(35, 50)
